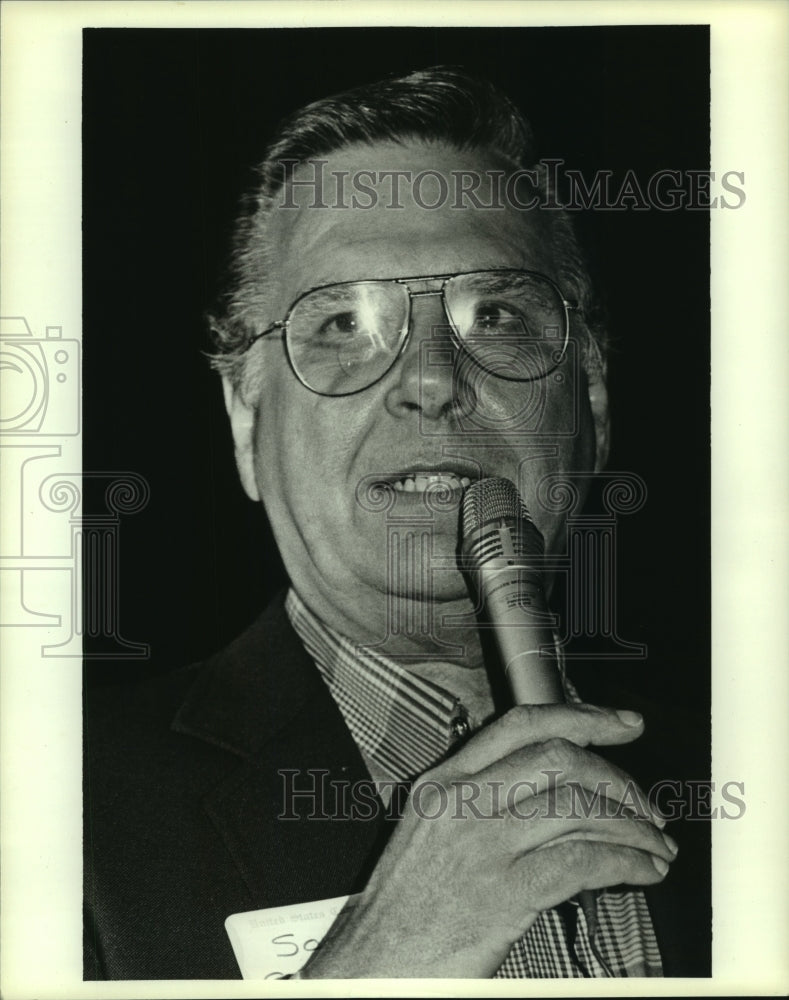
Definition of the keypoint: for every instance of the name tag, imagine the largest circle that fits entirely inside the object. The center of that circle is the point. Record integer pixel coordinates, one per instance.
(276, 942)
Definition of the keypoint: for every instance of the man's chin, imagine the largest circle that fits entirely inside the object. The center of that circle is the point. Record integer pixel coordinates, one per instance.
(439, 591)
(413, 561)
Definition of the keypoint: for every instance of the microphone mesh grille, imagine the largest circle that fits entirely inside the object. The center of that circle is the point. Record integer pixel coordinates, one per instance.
(490, 499)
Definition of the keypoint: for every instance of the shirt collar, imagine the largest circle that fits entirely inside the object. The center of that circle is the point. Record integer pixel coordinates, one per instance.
(402, 722)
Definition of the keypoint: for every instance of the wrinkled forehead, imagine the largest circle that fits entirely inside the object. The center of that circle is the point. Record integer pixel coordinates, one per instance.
(402, 209)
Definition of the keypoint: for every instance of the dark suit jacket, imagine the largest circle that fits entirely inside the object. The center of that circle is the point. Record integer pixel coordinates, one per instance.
(182, 798)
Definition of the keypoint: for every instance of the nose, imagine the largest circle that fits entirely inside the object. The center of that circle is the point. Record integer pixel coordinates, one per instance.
(427, 379)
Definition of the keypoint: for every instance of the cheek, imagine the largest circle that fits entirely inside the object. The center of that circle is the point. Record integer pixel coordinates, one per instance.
(556, 405)
(567, 414)
(304, 445)
(557, 455)
(277, 442)
(568, 475)
(568, 426)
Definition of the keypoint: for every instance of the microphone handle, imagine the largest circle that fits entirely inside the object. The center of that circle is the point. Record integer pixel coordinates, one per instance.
(516, 607)
(502, 545)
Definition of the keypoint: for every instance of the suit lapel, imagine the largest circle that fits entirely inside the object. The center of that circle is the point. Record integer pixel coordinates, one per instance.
(283, 811)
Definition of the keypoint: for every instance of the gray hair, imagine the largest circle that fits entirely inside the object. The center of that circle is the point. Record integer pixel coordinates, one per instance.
(439, 104)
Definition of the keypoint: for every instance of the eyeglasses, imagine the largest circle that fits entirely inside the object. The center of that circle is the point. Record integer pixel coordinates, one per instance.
(342, 338)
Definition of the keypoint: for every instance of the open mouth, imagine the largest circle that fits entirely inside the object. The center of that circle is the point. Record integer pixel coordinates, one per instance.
(421, 482)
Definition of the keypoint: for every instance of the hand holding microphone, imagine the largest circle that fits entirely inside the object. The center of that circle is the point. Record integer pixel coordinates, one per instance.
(504, 551)
(452, 892)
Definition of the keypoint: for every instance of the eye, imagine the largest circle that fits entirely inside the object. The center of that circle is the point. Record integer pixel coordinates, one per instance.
(495, 317)
(339, 326)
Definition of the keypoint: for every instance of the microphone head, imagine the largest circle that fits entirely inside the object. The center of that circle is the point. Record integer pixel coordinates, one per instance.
(503, 553)
(489, 505)
(491, 499)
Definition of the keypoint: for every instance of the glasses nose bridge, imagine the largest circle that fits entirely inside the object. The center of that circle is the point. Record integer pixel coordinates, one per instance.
(419, 288)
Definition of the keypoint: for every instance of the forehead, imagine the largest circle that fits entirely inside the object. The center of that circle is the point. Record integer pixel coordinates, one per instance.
(398, 210)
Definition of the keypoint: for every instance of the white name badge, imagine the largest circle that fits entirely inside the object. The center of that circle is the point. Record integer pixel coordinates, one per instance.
(276, 942)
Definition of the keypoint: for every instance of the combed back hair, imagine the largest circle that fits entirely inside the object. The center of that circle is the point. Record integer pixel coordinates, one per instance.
(440, 104)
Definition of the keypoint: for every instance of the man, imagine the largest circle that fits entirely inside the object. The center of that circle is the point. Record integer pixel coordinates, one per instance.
(395, 328)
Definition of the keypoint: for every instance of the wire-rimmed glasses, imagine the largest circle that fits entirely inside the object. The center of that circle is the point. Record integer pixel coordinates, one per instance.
(344, 337)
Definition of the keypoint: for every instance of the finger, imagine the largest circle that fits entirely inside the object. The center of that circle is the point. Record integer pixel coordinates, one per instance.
(537, 768)
(563, 870)
(546, 820)
(582, 724)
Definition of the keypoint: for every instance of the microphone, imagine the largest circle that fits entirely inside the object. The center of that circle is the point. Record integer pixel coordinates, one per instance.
(503, 550)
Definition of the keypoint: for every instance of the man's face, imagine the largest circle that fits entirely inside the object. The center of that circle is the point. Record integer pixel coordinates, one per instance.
(313, 459)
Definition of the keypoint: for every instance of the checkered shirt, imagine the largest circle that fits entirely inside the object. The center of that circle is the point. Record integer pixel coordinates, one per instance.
(403, 724)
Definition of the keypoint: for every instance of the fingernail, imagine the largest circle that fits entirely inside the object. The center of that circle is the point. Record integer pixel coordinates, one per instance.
(629, 718)
(660, 864)
(671, 844)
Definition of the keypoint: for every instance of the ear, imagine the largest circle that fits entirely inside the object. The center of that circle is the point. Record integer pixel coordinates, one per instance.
(242, 425)
(598, 399)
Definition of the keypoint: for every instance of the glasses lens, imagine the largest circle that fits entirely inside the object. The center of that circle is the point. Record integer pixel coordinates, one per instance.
(343, 338)
(512, 323)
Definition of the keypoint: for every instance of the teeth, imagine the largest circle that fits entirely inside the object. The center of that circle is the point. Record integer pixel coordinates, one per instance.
(420, 482)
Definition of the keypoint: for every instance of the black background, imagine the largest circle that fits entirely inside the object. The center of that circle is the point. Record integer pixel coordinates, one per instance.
(173, 121)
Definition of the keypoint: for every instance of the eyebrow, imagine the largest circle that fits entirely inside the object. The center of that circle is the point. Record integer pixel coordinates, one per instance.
(335, 291)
